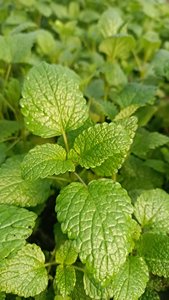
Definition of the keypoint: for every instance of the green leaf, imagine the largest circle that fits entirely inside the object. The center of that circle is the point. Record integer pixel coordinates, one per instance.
(114, 74)
(154, 247)
(58, 297)
(66, 254)
(98, 218)
(3, 149)
(117, 46)
(130, 282)
(78, 291)
(9, 50)
(136, 175)
(136, 93)
(15, 226)
(126, 112)
(2, 296)
(52, 102)
(46, 41)
(160, 63)
(45, 160)
(65, 279)
(150, 295)
(152, 210)
(24, 274)
(156, 164)
(8, 128)
(94, 289)
(152, 140)
(102, 142)
(109, 22)
(15, 190)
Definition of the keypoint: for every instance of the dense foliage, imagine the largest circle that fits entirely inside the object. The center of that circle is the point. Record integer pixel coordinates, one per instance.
(84, 149)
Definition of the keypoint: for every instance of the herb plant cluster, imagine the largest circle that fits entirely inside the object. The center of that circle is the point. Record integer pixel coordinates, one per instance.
(84, 149)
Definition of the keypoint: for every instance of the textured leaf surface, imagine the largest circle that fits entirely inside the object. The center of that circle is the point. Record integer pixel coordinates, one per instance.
(15, 190)
(94, 290)
(24, 274)
(9, 50)
(136, 93)
(155, 250)
(152, 210)
(45, 160)
(78, 291)
(16, 224)
(98, 218)
(52, 102)
(66, 254)
(130, 282)
(98, 143)
(7, 128)
(152, 140)
(150, 295)
(118, 45)
(65, 279)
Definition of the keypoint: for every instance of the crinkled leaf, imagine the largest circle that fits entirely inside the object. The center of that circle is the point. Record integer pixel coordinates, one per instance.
(150, 295)
(94, 290)
(45, 160)
(117, 46)
(24, 273)
(58, 297)
(66, 254)
(152, 210)
(104, 141)
(16, 224)
(136, 93)
(7, 128)
(98, 218)
(109, 22)
(78, 291)
(151, 140)
(15, 190)
(52, 102)
(154, 247)
(16, 48)
(131, 281)
(65, 279)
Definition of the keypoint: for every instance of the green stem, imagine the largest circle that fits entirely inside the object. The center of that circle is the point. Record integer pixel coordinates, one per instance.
(65, 141)
(80, 179)
(53, 263)
(79, 269)
(59, 178)
(8, 72)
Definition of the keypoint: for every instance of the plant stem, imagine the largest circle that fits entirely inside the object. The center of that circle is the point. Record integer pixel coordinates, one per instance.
(80, 179)
(79, 269)
(59, 178)
(8, 72)
(65, 141)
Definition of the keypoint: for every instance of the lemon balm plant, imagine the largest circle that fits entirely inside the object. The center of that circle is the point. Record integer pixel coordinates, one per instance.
(106, 245)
